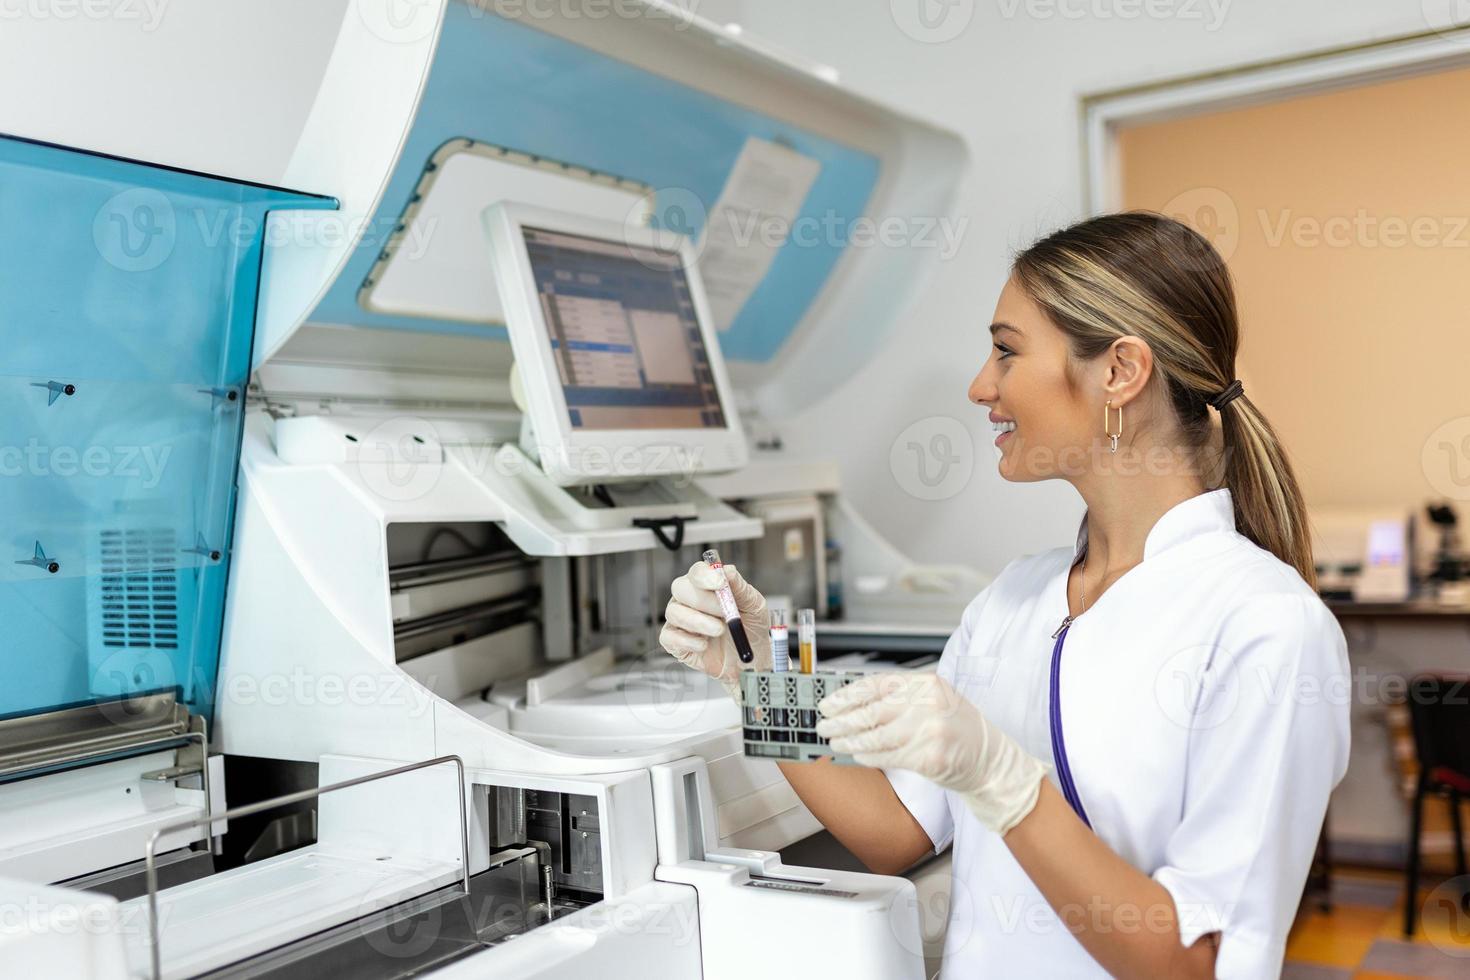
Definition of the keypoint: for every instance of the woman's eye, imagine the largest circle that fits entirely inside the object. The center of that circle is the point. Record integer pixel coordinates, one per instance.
(1005, 352)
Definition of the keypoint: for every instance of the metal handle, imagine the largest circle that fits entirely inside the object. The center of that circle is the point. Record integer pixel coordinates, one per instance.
(298, 797)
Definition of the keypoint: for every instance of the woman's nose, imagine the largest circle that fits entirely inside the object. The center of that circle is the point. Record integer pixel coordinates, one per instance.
(980, 392)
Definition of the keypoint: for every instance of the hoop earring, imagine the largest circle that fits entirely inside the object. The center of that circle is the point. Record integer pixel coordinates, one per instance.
(1113, 435)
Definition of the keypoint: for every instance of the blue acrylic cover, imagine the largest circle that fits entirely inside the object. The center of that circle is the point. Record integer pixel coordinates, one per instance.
(510, 85)
(127, 307)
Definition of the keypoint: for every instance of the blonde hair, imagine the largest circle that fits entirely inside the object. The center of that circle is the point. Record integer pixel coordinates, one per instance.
(1143, 274)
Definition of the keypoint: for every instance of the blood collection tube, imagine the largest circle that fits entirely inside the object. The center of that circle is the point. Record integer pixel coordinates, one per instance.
(806, 635)
(780, 642)
(731, 611)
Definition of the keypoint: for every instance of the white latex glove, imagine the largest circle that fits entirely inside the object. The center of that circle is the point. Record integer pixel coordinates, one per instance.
(921, 723)
(694, 627)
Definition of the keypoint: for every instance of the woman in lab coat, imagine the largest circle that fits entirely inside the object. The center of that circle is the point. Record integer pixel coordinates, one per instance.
(1129, 743)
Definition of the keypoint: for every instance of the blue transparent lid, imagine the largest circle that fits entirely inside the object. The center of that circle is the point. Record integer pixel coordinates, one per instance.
(127, 306)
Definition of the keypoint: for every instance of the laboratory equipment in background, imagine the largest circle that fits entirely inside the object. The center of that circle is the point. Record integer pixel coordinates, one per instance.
(1382, 557)
(894, 611)
(1448, 575)
(787, 557)
(368, 675)
(1388, 558)
(1363, 556)
(836, 606)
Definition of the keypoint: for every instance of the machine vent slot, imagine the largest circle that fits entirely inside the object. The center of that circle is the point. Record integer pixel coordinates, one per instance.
(137, 586)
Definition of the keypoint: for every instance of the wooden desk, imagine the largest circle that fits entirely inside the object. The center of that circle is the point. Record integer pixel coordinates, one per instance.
(1413, 607)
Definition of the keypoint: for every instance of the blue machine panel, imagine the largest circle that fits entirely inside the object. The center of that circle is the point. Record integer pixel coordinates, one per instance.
(127, 307)
(507, 84)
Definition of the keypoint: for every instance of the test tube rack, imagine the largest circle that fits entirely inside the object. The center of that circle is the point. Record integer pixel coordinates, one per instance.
(781, 713)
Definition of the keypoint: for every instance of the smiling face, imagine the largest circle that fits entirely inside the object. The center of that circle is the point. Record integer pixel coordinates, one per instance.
(1025, 381)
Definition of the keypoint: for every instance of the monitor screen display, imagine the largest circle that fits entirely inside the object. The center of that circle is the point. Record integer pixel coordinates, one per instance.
(624, 334)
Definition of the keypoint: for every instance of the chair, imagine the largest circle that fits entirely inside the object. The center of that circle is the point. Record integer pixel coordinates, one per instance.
(1319, 877)
(1439, 710)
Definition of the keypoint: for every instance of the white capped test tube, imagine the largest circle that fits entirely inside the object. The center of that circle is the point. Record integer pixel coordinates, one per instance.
(780, 642)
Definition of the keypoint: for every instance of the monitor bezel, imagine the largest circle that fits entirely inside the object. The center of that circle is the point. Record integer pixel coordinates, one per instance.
(573, 457)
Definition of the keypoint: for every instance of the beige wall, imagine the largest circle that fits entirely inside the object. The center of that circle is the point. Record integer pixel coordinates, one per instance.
(1345, 218)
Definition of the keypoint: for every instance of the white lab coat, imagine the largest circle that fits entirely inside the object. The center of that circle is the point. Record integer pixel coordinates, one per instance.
(1204, 704)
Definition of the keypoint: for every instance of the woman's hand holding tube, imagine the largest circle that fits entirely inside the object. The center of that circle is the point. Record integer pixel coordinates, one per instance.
(921, 723)
(694, 626)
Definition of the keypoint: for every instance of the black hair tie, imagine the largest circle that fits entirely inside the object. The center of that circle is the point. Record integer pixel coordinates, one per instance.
(1227, 396)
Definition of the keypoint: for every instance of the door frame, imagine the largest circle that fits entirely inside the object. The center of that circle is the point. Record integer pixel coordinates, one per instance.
(1104, 114)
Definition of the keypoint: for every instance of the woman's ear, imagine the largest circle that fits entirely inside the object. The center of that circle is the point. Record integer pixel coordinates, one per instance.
(1130, 362)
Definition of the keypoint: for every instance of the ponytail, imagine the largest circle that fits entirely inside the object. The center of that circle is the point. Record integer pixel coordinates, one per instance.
(1268, 501)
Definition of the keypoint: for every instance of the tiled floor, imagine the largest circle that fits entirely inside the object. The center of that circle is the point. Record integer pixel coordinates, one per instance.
(1361, 938)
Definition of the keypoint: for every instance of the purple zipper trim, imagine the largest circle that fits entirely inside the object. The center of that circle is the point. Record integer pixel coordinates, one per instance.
(1058, 743)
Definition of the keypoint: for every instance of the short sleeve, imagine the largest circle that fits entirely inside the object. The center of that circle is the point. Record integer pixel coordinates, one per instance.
(926, 801)
(1268, 742)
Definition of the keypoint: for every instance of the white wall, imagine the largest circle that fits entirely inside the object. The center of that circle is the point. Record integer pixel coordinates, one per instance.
(1010, 83)
(219, 87)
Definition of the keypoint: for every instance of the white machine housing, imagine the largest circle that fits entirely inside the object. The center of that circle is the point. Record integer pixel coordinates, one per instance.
(353, 431)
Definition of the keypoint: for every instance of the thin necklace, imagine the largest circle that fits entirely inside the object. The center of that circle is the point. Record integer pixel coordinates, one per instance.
(1082, 583)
